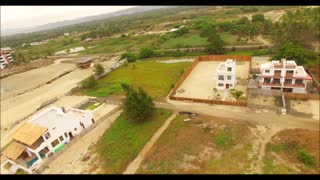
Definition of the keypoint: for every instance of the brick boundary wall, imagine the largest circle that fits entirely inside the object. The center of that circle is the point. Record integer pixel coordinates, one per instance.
(208, 58)
(301, 96)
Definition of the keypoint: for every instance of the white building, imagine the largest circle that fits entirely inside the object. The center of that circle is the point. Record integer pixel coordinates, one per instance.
(5, 59)
(226, 75)
(284, 75)
(42, 135)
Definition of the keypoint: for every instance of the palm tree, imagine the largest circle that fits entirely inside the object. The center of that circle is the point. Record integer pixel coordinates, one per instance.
(237, 94)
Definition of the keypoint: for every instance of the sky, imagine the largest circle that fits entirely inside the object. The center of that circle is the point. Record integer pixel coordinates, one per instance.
(14, 17)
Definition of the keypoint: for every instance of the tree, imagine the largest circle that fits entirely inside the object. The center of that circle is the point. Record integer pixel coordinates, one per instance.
(145, 53)
(295, 52)
(98, 69)
(137, 105)
(215, 45)
(207, 29)
(90, 82)
(237, 94)
(131, 57)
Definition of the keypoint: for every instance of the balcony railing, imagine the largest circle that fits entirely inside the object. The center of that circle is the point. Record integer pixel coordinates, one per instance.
(294, 85)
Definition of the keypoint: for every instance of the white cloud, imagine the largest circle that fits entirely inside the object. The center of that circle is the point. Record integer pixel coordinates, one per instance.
(13, 17)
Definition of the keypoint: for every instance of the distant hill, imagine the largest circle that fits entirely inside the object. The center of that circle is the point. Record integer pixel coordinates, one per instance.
(7, 32)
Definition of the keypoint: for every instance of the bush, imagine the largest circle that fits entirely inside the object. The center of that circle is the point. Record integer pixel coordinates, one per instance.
(90, 82)
(98, 69)
(305, 158)
(145, 53)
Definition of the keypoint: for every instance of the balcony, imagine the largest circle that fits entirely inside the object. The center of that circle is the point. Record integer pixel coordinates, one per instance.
(277, 65)
(271, 84)
(289, 75)
(290, 66)
(277, 75)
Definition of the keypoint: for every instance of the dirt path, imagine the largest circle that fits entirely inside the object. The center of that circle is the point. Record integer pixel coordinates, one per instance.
(265, 42)
(135, 164)
(72, 160)
(262, 135)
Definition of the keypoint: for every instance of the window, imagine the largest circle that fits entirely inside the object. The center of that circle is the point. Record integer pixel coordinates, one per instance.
(47, 135)
(220, 84)
(221, 77)
(65, 135)
(229, 69)
(75, 129)
(61, 138)
(55, 143)
(230, 85)
(229, 77)
(299, 81)
(267, 71)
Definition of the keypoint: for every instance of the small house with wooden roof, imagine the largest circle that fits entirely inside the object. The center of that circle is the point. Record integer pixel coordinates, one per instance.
(84, 62)
(42, 135)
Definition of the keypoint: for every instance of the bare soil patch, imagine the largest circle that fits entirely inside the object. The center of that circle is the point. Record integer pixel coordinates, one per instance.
(203, 145)
(282, 152)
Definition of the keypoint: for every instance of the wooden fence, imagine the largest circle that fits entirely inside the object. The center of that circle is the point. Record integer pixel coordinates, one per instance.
(191, 67)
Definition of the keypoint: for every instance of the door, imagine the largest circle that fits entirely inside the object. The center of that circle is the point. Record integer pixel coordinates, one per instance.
(70, 135)
(227, 86)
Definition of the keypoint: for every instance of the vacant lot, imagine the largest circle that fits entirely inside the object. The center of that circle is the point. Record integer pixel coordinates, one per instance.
(125, 139)
(201, 81)
(310, 107)
(155, 77)
(203, 145)
(293, 151)
(22, 82)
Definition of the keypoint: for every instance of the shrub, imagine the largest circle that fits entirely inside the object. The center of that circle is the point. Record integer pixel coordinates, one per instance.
(90, 82)
(305, 158)
(145, 53)
(98, 69)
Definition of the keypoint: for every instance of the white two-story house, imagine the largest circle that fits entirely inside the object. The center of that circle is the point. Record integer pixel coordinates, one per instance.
(42, 135)
(226, 75)
(284, 75)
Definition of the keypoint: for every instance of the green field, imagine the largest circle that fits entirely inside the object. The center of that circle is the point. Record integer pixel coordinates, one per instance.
(125, 139)
(250, 52)
(187, 40)
(155, 77)
(113, 44)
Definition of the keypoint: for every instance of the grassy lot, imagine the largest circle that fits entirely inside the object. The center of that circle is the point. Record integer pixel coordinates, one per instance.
(93, 106)
(203, 145)
(250, 52)
(187, 40)
(155, 77)
(125, 139)
(293, 151)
